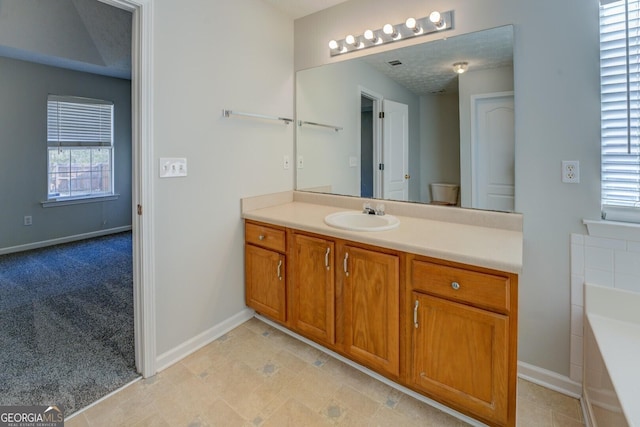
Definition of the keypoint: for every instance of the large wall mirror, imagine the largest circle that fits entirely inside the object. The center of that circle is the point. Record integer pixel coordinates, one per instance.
(445, 138)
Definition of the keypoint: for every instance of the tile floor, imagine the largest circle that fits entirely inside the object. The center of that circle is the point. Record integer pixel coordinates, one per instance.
(257, 376)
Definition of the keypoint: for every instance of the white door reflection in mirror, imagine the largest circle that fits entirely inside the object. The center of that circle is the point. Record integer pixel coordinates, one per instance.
(492, 147)
(395, 149)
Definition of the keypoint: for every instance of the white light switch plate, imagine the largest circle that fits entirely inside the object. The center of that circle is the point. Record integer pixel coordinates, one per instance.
(172, 167)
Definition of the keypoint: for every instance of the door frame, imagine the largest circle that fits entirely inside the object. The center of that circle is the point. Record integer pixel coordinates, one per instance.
(377, 138)
(144, 313)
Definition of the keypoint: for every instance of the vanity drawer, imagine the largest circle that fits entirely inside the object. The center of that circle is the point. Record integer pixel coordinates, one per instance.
(267, 237)
(473, 287)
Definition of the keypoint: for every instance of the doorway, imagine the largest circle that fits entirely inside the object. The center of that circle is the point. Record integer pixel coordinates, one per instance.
(384, 147)
(370, 144)
(142, 177)
(366, 147)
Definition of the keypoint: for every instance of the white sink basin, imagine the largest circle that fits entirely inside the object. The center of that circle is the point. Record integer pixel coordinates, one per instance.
(358, 221)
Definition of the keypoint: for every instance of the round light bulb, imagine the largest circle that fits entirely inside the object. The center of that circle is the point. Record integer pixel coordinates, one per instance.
(333, 45)
(437, 20)
(350, 39)
(411, 23)
(388, 29)
(369, 35)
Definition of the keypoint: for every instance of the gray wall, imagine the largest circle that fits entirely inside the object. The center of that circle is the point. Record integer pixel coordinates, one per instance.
(476, 83)
(557, 113)
(440, 143)
(202, 63)
(332, 95)
(23, 163)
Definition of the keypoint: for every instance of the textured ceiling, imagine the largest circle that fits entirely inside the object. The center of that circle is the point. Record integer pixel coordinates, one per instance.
(428, 67)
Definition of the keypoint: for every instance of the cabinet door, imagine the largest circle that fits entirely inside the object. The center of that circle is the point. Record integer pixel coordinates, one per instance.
(371, 293)
(313, 290)
(265, 282)
(460, 354)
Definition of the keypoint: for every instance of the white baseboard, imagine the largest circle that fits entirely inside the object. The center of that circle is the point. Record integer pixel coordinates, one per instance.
(60, 240)
(178, 353)
(550, 380)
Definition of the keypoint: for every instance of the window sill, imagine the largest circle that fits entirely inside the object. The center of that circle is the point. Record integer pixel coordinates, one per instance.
(77, 201)
(613, 229)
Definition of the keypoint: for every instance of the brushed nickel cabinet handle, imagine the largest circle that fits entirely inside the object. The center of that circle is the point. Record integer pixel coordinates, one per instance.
(326, 259)
(261, 237)
(344, 264)
(279, 266)
(455, 285)
(415, 314)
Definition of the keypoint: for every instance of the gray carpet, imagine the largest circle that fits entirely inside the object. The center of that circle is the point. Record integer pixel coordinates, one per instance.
(66, 323)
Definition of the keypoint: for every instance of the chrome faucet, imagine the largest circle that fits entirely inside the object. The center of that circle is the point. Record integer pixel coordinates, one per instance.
(367, 209)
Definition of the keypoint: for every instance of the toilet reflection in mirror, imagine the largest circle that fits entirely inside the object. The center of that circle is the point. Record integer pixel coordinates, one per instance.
(439, 127)
(444, 194)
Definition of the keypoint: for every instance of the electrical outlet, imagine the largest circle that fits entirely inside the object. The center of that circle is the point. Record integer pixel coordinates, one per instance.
(300, 162)
(285, 162)
(28, 220)
(571, 171)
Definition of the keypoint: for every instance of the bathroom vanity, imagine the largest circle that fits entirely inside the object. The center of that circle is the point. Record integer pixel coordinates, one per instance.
(431, 304)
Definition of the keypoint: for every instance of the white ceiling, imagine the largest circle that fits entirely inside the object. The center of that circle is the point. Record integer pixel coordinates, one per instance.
(428, 67)
(83, 35)
(299, 8)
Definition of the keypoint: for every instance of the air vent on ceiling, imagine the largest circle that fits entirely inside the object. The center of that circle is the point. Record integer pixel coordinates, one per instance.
(394, 63)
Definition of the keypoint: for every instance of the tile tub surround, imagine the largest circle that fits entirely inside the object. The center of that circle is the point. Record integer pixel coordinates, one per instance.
(612, 374)
(257, 376)
(423, 229)
(604, 261)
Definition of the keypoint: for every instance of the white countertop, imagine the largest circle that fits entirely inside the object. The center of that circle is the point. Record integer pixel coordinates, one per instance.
(619, 344)
(614, 316)
(469, 244)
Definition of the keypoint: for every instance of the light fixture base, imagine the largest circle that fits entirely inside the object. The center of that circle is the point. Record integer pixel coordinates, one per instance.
(403, 32)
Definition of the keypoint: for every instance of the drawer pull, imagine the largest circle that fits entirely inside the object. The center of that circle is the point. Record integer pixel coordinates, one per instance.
(279, 266)
(344, 264)
(415, 314)
(261, 237)
(455, 285)
(326, 259)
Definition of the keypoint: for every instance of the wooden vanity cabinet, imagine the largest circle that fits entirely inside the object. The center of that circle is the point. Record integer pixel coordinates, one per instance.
(447, 330)
(312, 293)
(463, 337)
(369, 289)
(265, 270)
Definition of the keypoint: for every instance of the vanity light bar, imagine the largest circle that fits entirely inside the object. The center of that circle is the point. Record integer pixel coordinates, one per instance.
(412, 27)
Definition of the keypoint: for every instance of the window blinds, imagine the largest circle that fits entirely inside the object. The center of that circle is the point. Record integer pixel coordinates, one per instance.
(73, 121)
(620, 104)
